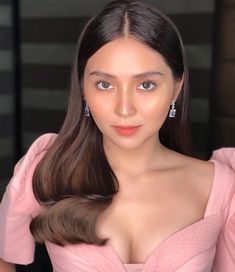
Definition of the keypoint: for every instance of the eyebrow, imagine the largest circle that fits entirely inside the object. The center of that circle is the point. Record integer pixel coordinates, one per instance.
(149, 73)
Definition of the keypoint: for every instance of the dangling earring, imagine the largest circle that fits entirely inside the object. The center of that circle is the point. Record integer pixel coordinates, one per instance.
(172, 111)
(87, 111)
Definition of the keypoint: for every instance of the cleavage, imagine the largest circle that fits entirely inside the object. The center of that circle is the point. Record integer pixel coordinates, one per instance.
(135, 233)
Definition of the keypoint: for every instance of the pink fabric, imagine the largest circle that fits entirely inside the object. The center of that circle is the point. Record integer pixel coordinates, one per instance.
(133, 267)
(206, 245)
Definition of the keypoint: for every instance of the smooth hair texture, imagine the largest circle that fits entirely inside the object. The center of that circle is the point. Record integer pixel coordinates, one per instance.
(74, 181)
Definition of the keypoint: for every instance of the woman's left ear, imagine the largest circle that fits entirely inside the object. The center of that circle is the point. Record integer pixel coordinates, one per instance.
(178, 87)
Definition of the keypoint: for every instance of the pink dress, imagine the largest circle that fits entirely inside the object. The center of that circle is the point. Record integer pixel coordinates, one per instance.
(133, 267)
(206, 245)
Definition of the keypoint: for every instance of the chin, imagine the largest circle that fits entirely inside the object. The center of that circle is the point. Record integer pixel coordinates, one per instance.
(127, 144)
(130, 142)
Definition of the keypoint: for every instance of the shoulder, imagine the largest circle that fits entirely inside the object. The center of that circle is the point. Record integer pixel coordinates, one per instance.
(24, 168)
(193, 179)
(200, 175)
(192, 169)
(215, 178)
(220, 167)
(19, 204)
(225, 156)
(19, 193)
(194, 175)
(42, 143)
(224, 160)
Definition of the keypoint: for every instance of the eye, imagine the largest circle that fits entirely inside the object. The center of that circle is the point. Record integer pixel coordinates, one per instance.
(103, 85)
(148, 86)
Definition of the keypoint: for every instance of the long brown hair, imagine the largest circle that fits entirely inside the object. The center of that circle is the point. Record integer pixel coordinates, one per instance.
(74, 180)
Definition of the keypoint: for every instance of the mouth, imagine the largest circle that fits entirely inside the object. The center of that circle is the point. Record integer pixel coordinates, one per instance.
(126, 130)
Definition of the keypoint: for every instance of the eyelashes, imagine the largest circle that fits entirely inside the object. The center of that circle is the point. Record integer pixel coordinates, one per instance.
(147, 85)
(103, 85)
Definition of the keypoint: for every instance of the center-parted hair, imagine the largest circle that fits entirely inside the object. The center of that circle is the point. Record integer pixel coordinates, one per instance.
(74, 180)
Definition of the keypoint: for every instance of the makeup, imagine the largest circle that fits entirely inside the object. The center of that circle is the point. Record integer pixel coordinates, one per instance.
(126, 130)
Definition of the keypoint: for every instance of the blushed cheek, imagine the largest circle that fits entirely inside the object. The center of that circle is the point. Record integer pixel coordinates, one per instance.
(157, 110)
(99, 110)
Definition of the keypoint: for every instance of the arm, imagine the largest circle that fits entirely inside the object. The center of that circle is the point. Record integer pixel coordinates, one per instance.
(17, 208)
(6, 267)
(225, 250)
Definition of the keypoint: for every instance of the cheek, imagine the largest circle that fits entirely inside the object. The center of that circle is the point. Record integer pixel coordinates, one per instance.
(99, 107)
(156, 108)
(100, 110)
(98, 104)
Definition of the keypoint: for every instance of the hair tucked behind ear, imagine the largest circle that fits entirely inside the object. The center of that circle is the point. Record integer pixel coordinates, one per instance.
(74, 180)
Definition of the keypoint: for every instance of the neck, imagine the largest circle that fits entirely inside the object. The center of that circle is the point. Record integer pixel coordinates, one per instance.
(136, 161)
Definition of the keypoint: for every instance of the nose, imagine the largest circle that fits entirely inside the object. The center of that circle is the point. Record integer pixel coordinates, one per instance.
(125, 104)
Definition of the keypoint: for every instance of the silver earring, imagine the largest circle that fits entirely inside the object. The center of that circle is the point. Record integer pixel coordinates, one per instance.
(87, 111)
(172, 111)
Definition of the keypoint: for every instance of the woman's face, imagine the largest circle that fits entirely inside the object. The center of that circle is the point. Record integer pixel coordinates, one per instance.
(129, 89)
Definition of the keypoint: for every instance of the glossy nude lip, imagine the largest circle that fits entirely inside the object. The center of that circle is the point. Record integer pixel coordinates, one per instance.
(126, 130)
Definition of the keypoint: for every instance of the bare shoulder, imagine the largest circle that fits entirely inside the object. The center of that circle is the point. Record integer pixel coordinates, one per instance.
(199, 169)
(199, 174)
(200, 178)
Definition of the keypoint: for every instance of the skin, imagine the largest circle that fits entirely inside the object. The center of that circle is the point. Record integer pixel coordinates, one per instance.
(6, 267)
(160, 191)
(128, 101)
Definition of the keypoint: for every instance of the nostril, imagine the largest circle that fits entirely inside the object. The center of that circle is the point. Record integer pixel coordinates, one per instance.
(125, 109)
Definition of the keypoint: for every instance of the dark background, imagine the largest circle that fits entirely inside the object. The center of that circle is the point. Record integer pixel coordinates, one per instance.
(37, 45)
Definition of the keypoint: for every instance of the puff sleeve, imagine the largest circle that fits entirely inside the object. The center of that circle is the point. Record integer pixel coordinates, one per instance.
(19, 206)
(225, 251)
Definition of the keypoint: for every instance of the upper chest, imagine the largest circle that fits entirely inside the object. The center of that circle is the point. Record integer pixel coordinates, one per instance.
(141, 217)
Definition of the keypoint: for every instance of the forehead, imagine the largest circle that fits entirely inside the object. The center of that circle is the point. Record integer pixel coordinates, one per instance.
(126, 55)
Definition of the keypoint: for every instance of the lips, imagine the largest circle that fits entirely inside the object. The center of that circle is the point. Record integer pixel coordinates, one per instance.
(126, 130)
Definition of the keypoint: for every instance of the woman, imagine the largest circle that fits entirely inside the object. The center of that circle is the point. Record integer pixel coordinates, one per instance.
(116, 189)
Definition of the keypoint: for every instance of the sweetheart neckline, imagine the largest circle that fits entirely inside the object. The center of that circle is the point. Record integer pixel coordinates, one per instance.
(175, 234)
